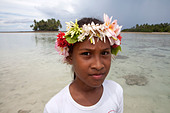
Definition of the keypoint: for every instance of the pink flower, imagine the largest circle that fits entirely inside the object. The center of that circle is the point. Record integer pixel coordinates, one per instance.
(62, 50)
(112, 28)
(107, 20)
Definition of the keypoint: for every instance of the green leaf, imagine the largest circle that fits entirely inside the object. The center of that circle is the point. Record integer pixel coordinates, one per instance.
(116, 50)
(71, 40)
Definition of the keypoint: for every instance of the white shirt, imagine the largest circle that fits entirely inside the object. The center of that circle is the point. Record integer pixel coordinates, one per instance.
(110, 102)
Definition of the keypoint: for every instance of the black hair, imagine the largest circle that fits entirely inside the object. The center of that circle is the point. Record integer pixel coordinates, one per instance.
(86, 21)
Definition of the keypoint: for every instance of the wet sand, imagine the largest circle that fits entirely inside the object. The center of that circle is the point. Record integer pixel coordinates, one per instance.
(29, 94)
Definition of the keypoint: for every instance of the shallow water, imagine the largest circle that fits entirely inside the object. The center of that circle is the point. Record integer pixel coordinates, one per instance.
(31, 71)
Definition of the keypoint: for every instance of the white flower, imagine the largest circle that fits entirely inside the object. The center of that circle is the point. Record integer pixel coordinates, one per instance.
(82, 36)
(117, 42)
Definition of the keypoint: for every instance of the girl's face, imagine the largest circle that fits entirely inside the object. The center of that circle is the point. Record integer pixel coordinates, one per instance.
(91, 62)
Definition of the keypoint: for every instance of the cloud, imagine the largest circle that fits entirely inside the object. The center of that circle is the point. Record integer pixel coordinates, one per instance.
(129, 13)
(53, 8)
(18, 21)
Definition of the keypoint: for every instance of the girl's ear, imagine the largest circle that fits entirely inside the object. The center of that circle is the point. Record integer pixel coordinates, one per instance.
(69, 60)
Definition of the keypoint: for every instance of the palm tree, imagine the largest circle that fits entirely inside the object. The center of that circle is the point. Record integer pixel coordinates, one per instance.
(59, 23)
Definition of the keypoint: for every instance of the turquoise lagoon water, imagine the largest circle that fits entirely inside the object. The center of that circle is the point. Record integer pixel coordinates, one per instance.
(29, 64)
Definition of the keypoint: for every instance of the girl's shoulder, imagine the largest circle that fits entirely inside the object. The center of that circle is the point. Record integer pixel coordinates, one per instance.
(113, 86)
(61, 93)
(57, 100)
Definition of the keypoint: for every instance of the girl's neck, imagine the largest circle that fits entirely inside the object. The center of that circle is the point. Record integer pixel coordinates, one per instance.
(82, 87)
(85, 95)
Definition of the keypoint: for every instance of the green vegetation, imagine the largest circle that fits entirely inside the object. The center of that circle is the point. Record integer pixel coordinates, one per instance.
(163, 27)
(49, 25)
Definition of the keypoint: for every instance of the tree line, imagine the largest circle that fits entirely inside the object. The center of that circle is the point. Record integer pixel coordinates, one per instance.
(163, 27)
(49, 25)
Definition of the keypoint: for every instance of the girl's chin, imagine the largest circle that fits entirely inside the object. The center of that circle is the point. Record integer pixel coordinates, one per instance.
(96, 84)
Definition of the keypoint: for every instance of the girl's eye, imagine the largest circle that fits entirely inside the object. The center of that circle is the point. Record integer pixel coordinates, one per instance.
(105, 53)
(85, 53)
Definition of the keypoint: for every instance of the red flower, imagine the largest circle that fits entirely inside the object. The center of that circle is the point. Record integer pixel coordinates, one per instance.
(61, 41)
(119, 37)
(115, 46)
(60, 35)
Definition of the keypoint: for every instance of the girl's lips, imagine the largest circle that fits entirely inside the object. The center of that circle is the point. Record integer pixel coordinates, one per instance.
(97, 76)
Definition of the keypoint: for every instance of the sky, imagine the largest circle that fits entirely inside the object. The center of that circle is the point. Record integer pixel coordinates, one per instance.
(18, 15)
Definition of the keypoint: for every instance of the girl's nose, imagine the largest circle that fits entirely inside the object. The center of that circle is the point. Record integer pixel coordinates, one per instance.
(97, 64)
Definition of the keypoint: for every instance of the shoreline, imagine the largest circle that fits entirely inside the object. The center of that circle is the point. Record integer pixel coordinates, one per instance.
(168, 33)
(29, 31)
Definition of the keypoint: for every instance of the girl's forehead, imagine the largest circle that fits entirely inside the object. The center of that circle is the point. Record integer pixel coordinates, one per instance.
(86, 44)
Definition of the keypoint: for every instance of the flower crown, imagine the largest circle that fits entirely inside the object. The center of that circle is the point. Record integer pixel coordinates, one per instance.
(109, 30)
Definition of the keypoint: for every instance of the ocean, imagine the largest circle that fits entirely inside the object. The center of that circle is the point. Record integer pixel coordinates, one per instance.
(31, 71)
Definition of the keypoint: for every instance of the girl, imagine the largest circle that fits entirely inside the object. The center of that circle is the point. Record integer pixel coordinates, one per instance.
(88, 46)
